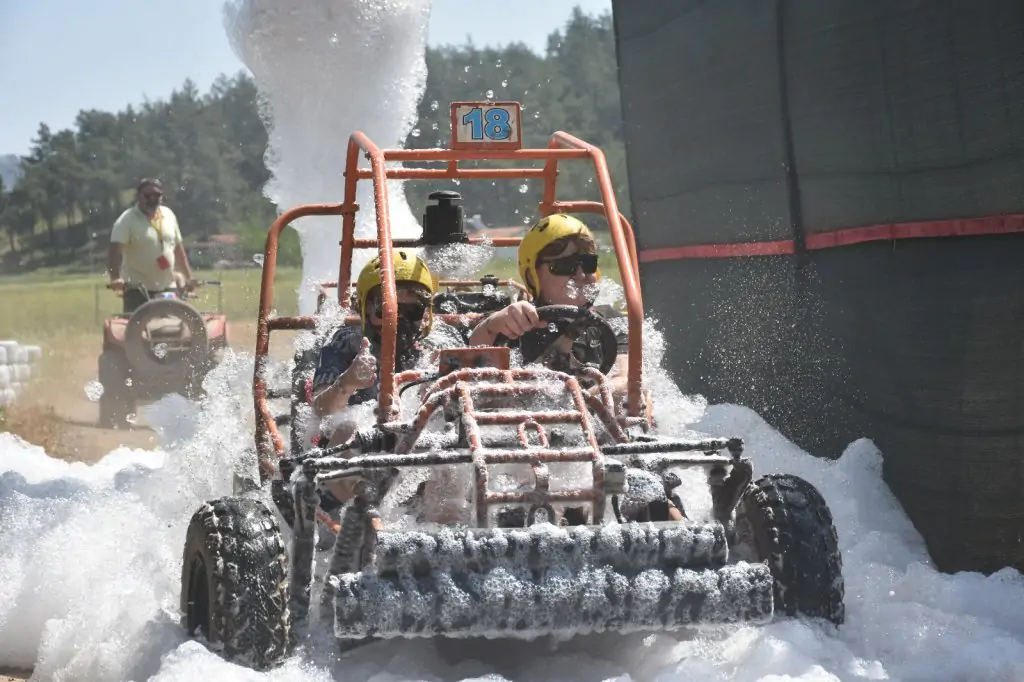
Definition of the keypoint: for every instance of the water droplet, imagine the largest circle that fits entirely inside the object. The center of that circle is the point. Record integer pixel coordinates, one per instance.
(504, 83)
(536, 114)
(334, 39)
(498, 63)
(456, 181)
(160, 350)
(434, 105)
(466, 69)
(524, 188)
(93, 391)
(257, 258)
(131, 419)
(552, 327)
(434, 126)
(489, 94)
(415, 132)
(128, 382)
(526, 220)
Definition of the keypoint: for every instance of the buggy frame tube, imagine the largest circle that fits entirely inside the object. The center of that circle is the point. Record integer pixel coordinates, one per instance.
(268, 439)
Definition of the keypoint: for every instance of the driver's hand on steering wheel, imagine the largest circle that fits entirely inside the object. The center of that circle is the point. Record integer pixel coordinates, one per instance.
(514, 321)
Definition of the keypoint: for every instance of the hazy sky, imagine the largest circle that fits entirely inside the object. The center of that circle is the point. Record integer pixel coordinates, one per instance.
(60, 56)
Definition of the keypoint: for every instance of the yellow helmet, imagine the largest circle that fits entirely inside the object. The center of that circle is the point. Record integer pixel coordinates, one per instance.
(545, 231)
(409, 268)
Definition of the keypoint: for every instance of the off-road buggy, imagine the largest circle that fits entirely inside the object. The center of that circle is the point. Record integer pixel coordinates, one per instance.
(574, 522)
(165, 346)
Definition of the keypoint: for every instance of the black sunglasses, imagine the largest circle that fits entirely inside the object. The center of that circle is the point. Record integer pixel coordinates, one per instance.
(413, 312)
(566, 267)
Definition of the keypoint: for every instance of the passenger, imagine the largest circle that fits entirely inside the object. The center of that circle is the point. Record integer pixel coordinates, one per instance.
(558, 263)
(346, 372)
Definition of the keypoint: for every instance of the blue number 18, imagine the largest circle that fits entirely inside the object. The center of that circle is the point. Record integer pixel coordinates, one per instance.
(497, 127)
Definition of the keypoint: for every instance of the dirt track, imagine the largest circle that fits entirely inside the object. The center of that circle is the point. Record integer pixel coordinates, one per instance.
(64, 389)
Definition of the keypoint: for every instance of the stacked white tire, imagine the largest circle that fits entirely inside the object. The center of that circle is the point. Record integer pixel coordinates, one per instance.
(18, 364)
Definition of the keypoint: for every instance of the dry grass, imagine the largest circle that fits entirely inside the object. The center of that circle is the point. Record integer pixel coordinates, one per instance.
(38, 424)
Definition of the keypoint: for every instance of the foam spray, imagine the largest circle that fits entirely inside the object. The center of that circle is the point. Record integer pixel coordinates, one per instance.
(325, 68)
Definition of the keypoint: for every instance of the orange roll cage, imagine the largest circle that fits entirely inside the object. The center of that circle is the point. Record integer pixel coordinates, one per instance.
(561, 146)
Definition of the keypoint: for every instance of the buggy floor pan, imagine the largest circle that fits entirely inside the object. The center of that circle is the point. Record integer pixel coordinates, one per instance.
(526, 583)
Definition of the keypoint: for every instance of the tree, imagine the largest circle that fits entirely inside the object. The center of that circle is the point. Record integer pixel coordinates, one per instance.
(208, 148)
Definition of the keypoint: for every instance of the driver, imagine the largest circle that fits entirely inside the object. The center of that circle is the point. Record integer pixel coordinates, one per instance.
(145, 248)
(558, 264)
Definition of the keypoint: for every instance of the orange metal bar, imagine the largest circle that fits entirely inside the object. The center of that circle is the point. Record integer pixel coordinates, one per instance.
(414, 243)
(475, 173)
(267, 437)
(389, 312)
(627, 268)
(438, 154)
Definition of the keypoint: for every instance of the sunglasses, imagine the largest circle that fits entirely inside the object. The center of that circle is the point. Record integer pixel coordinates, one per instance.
(567, 266)
(413, 312)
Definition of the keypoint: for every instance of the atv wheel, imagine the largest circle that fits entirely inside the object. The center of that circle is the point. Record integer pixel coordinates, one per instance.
(234, 581)
(117, 400)
(788, 524)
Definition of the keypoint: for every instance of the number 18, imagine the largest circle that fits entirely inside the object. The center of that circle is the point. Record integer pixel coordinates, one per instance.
(492, 124)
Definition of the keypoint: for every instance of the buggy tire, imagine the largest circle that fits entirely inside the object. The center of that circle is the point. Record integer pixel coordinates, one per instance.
(234, 581)
(117, 400)
(792, 530)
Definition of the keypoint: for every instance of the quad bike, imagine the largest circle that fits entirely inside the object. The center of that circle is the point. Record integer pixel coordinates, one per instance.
(571, 523)
(165, 346)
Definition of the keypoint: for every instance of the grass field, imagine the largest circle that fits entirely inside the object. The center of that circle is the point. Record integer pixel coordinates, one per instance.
(34, 310)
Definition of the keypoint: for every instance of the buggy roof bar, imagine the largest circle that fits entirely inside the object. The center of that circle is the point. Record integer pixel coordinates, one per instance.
(480, 131)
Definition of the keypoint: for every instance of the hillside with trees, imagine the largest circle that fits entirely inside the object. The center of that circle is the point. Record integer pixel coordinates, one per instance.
(208, 149)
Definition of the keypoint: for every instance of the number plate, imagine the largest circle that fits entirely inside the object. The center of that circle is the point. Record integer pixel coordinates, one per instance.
(486, 125)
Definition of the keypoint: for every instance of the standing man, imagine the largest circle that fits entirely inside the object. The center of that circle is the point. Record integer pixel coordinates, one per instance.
(145, 246)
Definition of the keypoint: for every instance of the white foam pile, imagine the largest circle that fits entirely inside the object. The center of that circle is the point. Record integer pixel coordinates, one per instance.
(90, 556)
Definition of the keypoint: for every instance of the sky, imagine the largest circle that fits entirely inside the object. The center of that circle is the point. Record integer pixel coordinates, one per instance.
(58, 57)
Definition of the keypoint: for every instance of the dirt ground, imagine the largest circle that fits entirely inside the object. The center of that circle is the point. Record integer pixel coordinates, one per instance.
(69, 429)
(73, 419)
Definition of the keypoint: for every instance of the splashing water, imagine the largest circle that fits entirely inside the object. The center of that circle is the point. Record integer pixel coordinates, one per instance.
(90, 556)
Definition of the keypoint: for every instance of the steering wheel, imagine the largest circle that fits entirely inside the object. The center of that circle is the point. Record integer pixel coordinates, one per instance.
(574, 337)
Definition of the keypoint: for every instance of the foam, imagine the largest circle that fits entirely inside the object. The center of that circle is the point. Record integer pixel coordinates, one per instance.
(325, 69)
